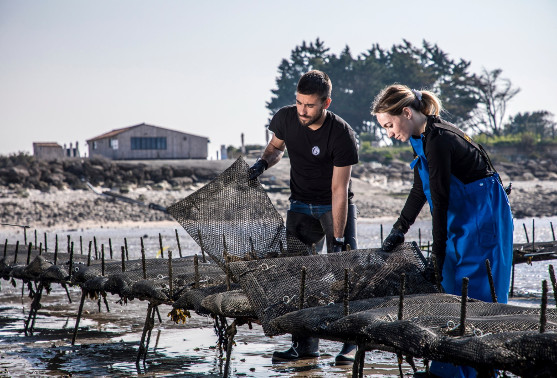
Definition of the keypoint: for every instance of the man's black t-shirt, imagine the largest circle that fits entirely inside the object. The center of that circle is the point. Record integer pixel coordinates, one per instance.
(314, 153)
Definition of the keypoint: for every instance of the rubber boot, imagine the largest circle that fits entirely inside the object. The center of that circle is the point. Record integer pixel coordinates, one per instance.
(302, 347)
(346, 354)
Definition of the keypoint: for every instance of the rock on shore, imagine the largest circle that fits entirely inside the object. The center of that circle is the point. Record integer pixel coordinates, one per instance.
(40, 193)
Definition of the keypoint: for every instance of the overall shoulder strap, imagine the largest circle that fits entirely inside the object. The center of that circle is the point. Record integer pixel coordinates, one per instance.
(460, 133)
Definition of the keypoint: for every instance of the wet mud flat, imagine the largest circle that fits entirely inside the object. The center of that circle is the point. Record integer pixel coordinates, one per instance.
(107, 344)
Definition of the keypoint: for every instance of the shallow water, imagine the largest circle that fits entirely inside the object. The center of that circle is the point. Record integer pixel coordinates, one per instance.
(107, 342)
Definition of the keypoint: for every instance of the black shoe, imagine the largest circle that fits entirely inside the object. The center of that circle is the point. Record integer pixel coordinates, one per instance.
(302, 348)
(346, 355)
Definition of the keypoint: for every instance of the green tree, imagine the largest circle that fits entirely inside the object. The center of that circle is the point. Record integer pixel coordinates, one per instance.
(302, 59)
(357, 80)
(539, 123)
(493, 93)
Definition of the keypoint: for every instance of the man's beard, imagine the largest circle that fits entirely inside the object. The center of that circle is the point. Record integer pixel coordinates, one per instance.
(311, 121)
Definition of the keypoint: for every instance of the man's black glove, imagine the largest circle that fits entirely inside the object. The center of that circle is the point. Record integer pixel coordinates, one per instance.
(395, 238)
(338, 245)
(257, 169)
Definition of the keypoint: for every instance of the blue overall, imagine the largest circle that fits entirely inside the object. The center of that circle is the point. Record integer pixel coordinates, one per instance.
(479, 227)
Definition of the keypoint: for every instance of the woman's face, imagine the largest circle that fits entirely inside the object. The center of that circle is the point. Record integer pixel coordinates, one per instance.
(400, 126)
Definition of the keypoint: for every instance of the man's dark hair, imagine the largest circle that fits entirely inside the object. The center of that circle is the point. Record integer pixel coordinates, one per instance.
(315, 82)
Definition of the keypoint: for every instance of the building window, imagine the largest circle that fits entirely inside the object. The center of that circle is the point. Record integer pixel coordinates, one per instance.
(114, 144)
(95, 146)
(148, 143)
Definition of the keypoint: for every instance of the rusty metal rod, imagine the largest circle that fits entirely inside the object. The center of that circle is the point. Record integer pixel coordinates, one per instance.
(526, 233)
(543, 312)
(45, 243)
(96, 250)
(227, 269)
(196, 267)
(123, 259)
(178, 243)
(346, 292)
(102, 259)
(491, 283)
(56, 250)
(29, 253)
(83, 295)
(533, 236)
(553, 283)
(401, 296)
(160, 243)
(463, 300)
(80, 245)
(71, 261)
(16, 250)
(143, 260)
(110, 248)
(552, 230)
(171, 288)
(201, 245)
(89, 254)
(36, 239)
(302, 288)
(5, 248)
(141, 350)
(126, 247)
(25, 235)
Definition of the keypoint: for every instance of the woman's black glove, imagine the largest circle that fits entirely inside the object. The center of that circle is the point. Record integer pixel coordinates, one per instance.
(395, 238)
(257, 169)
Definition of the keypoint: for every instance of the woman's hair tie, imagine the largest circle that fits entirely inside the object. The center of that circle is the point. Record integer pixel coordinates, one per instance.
(418, 94)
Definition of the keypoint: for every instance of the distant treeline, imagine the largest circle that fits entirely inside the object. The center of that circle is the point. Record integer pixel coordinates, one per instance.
(474, 102)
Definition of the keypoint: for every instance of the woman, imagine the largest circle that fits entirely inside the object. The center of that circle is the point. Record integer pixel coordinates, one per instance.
(470, 210)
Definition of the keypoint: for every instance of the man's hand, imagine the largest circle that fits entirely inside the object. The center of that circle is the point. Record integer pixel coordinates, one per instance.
(395, 238)
(257, 169)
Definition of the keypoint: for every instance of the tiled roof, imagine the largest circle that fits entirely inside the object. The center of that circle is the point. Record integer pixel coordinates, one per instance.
(46, 144)
(113, 133)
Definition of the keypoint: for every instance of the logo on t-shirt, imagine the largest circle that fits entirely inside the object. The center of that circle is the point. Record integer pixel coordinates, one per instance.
(315, 150)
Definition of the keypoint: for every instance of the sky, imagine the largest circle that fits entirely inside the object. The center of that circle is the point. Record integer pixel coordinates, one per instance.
(71, 70)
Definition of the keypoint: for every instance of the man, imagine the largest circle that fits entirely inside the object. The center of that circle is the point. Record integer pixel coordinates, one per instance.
(322, 148)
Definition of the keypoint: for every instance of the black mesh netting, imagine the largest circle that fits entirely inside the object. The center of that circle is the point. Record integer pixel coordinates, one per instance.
(316, 320)
(233, 216)
(147, 280)
(495, 335)
(273, 285)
